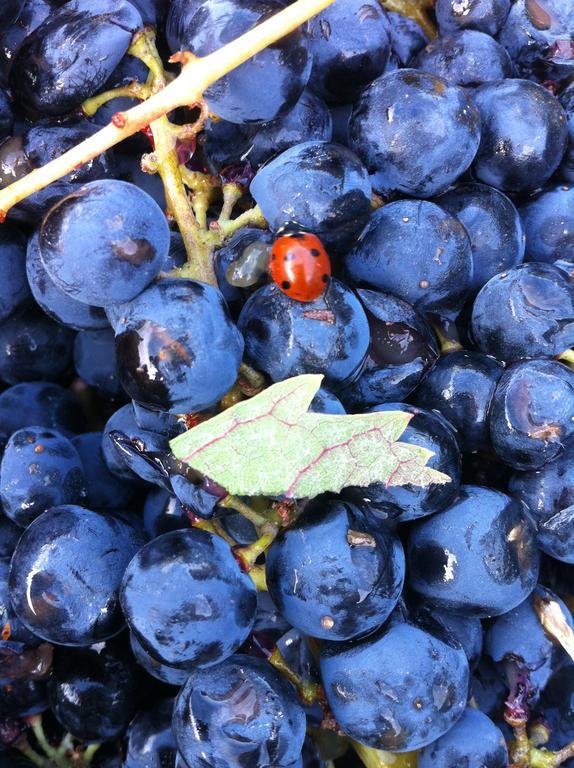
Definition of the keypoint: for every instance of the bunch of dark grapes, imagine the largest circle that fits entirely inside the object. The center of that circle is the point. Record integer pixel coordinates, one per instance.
(382, 198)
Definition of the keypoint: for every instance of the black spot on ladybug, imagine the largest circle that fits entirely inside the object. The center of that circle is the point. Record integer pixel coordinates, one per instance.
(272, 257)
(325, 278)
(285, 285)
(298, 235)
(315, 252)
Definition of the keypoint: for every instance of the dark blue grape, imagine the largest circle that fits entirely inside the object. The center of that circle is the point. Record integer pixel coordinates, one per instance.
(476, 558)
(557, 704)
(186, 600)
(549, 495)
(407, 109)
(37, 403)
(40, 469)
(95, 361)
(177, 348)
(488, 689)
(94, 692)
(407, 39)
(523, 135)
(10, 625)
(6, 115)
(241, 712)
(123, 229)
(22, 698)
(394, 700)
(10, 11)
(493, 226)
(468, 58)
(240, 529)
(66, 572)
(71, 54)
(567, 101)
(14, 289)
(532, 413)
(350, 45)
(549, 225)
(331, 575)
(270, 622)
(56, 303)
(409, 502)
(162, 422)
(326, 402)
(104, 489)
(231, 251)
(525, 312)
(155, 668)
(418, 252)
(33, 347)
(461, 386)
(537, 34)
(284, 337)
(485, 15)
(9, 535)
(321, 187)
(163, 512)
(401, 352)
(467, 630)
(263, 88)
(474, 741)
(150, 741)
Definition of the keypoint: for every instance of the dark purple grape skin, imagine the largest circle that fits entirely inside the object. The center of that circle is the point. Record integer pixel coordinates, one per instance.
(209, 726)
(364, 580)
(162, 512)
(523, 135)
(8, 619)
(548, 224)
(155, 668)
(93, 692)
(284, 337)
(166, 590)
(407, 39)
(350, 45)
(42, 404)
(23, 698)
(69, 57)
(150, 741)
(66, 572)
(402, 351)
(468, 58)
(461, 387)
(478, 557)
(9, 535)
(404, 109)
(418, 252)
(433, 677)
(10, 11)
(525, 312)
(14, 288)
(6, 115)
(484, 15)
(104, 489)
(265, 86)
(95, 361)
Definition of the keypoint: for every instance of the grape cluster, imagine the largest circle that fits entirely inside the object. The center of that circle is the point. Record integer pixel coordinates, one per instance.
(363, 199)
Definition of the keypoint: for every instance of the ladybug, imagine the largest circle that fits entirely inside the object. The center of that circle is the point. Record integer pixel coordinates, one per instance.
(300, 266)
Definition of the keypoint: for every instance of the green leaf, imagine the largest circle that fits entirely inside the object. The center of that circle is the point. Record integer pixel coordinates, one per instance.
(271, 445)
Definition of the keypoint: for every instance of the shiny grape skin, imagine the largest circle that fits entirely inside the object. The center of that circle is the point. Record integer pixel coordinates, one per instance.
(484, 15)
(232, 250)
(474, 741)
(66, 571)
(125, 232)
(93, 692)
(104, 489)
(523, 135)
(23, 698)
(325, 584)
(169, 586)
(418, 252)
(524, 312)
(32, 347)
(322, 187)
(18, 633)
(39, 403)
(155, 668)
(14, 289)
(192, 351)
(40, 469)
(262, 88)
(350, 46)
(163, 512)
(549, 225)
(532, 413)
(401, 503)
(468, 58)
(284, 337)
(150, 742)
(69, 57)
(461, 386)
(242, 712)
(57, 304)
(402, 351)
(424, 690)
(403, 109)
(477, 558)
(494, 227)
(548, 494)
(407, 39)
(95, 361)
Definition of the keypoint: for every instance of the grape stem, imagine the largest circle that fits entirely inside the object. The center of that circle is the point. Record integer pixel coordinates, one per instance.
(196, 76)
